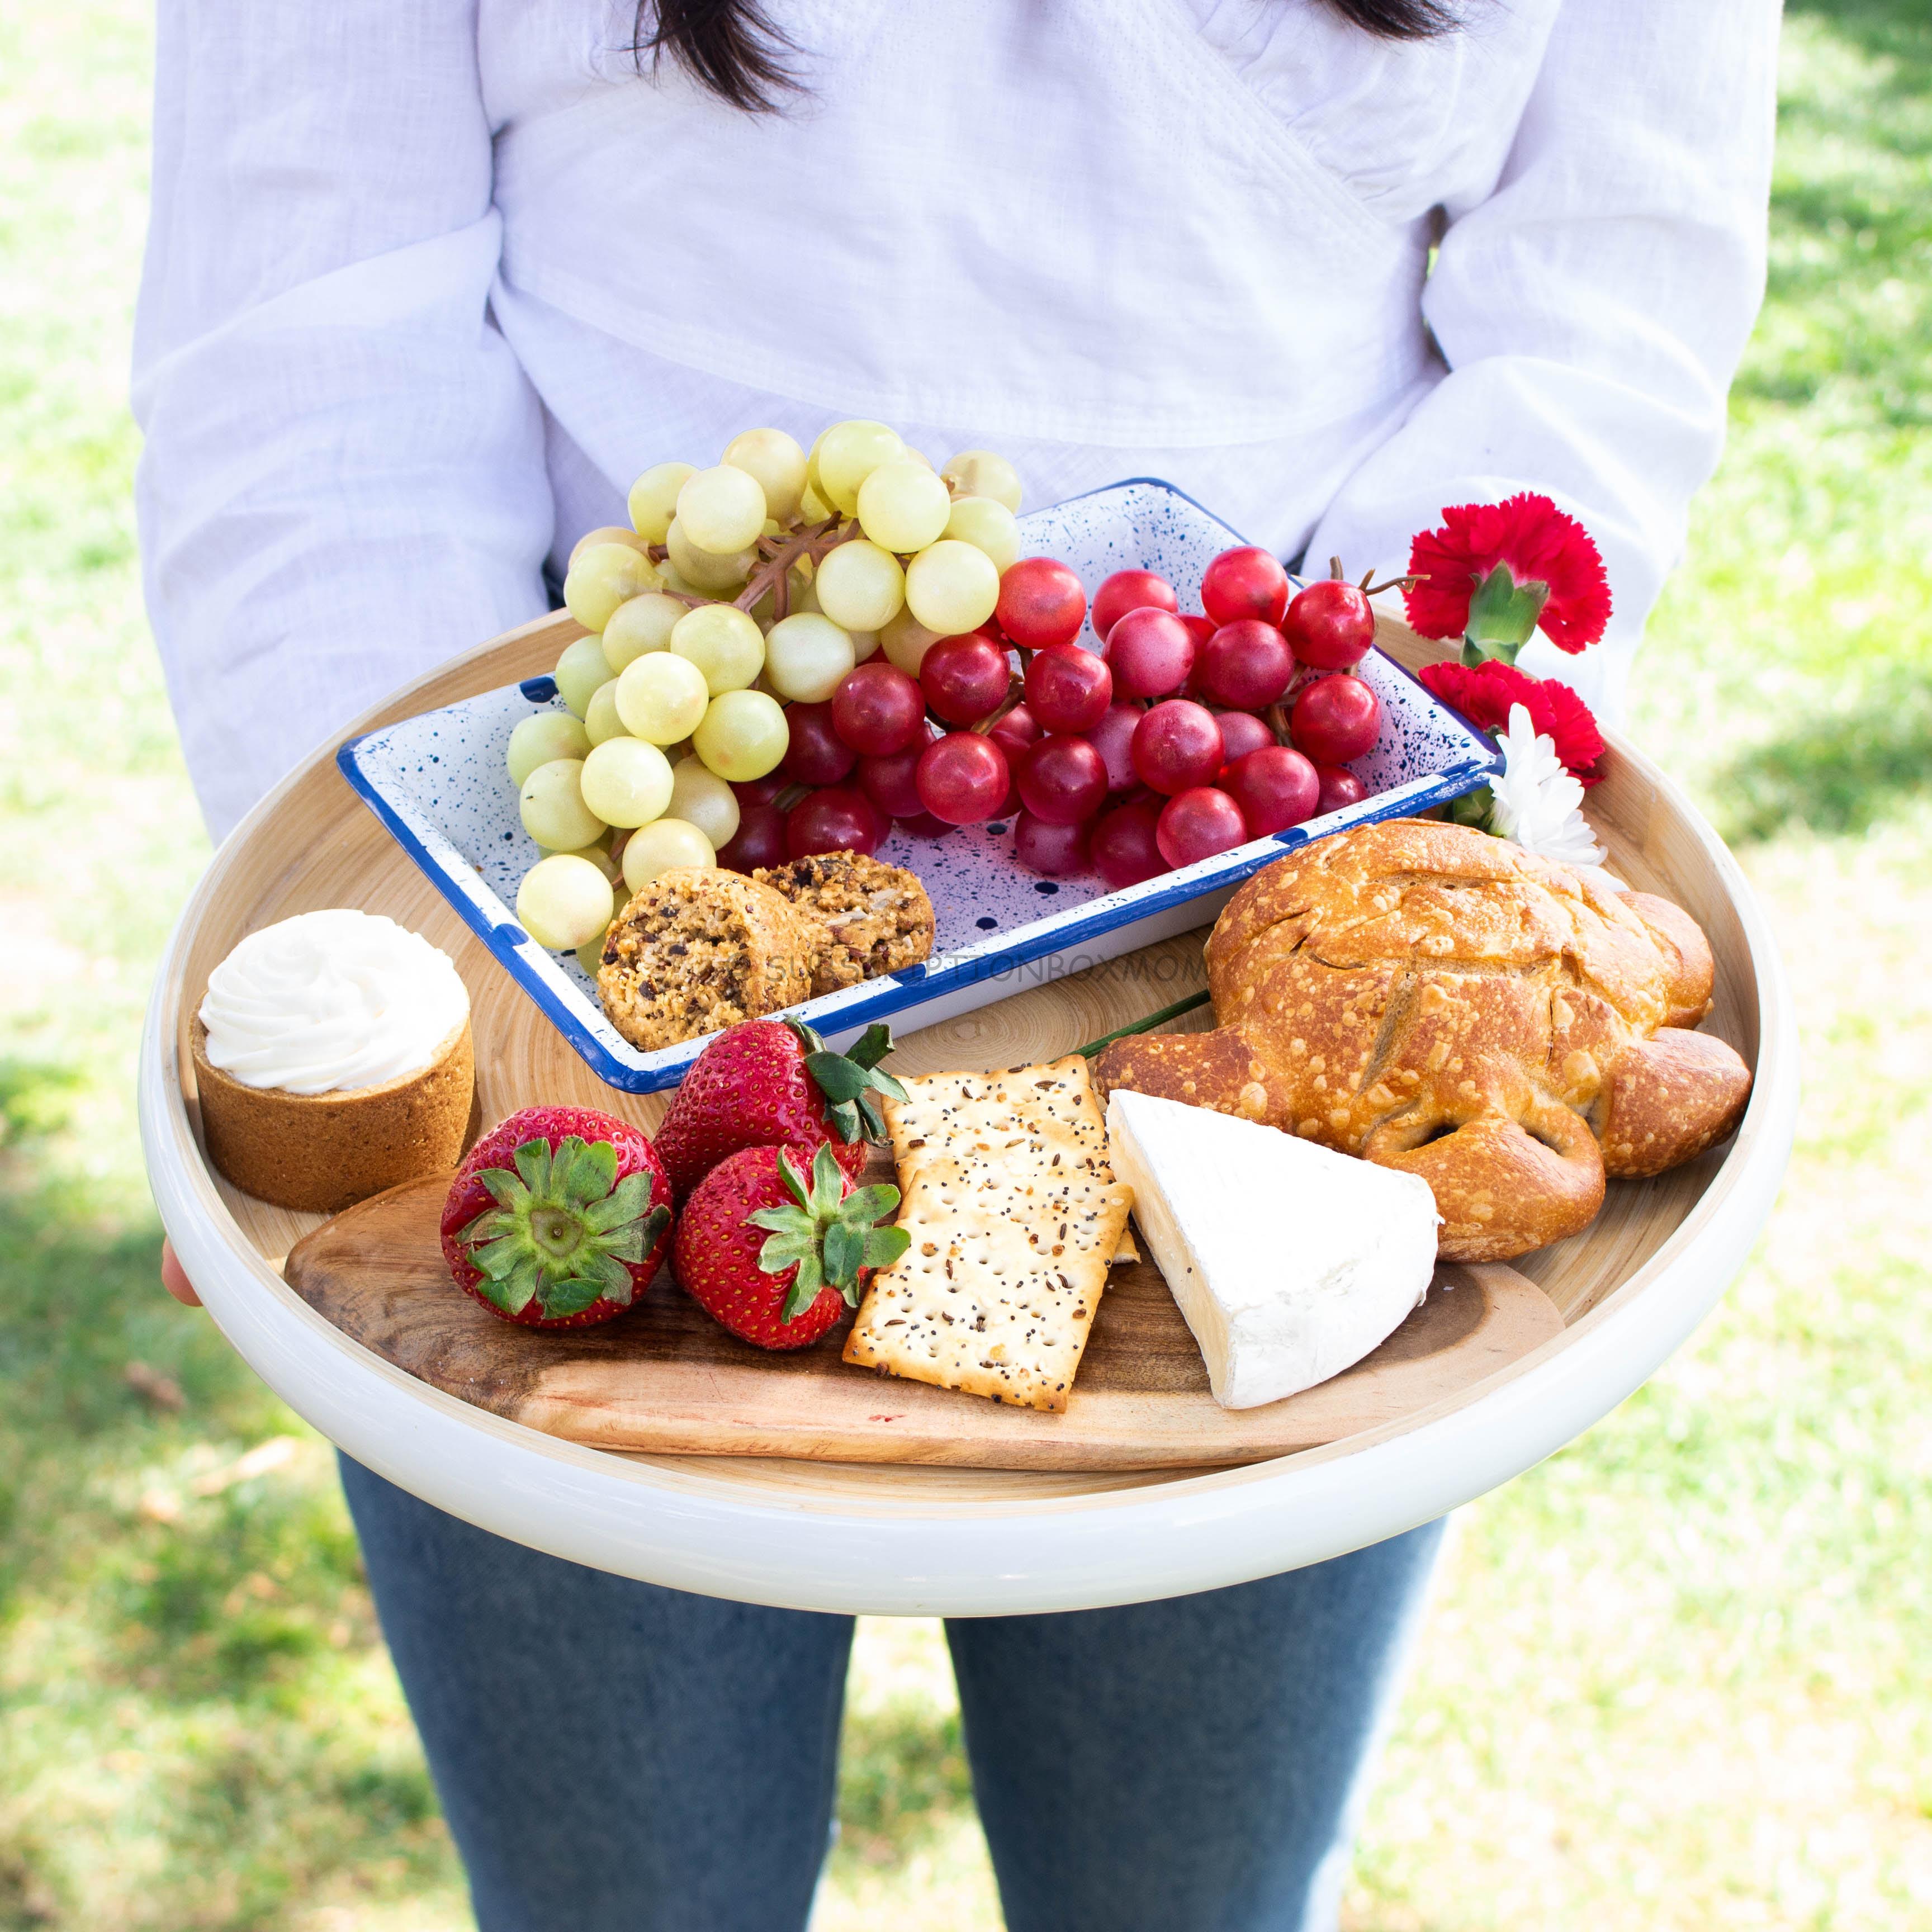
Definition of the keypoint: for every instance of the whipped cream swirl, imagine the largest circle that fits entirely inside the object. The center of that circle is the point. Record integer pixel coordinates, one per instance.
(328, 1001)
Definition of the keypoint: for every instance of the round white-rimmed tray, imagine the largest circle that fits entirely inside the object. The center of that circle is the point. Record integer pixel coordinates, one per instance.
(915, 1540)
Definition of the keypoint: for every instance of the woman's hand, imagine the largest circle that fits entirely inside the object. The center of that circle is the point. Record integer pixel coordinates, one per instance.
(174, 1278)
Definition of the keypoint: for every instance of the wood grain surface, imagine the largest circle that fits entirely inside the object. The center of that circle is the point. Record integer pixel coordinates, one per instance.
(314, 844)
(667, 1378)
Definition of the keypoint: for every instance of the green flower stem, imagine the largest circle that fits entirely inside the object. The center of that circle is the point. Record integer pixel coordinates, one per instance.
(1147, 1025)
(1503, 616)
(1472, 808)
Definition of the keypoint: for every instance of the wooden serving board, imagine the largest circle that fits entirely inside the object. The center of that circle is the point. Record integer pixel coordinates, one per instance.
(667, 1378)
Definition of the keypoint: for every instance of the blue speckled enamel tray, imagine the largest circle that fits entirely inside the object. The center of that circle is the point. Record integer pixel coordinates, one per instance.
(439, 783)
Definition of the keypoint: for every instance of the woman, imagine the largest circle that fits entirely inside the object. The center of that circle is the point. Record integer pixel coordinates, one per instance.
(427, 285)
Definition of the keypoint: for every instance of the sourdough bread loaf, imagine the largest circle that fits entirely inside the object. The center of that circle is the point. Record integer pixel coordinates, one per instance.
(1440, 1001)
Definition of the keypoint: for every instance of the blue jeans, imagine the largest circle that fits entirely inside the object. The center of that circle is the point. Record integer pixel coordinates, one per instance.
(615, 1757)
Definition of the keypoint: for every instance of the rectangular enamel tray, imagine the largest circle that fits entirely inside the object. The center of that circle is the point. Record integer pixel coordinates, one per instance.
(438, 782)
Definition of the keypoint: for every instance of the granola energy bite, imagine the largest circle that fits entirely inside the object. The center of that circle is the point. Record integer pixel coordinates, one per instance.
(700, 949)
(878, 916)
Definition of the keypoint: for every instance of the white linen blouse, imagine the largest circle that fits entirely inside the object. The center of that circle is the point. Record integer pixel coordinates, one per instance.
(427, 284)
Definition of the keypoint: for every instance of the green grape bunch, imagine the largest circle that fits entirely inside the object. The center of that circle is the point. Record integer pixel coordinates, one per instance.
(739, 589)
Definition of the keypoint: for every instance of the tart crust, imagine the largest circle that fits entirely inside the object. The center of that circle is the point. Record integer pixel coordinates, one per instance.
(323, 1152)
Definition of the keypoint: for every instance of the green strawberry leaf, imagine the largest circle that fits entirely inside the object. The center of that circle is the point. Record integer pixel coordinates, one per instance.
(872, 1046)
(629, 1199)
(828, 1182)
(847, 1078)
(781, 1220)
(571, 1297)
(784, 1251)
(809, 1037)
(624, 1244)
(807, 1286)
(884, 1246)
(845, 1249)
(614, 1277)
(506, 1188)
(794, 1181)
(563, 1159)
(490, 1225)
(532, 1159)
(597, 1170)
(868, 1204)
(581, 1173)
(498, 1295)
(497, 1259)
(512, 1279)
(839, 1079)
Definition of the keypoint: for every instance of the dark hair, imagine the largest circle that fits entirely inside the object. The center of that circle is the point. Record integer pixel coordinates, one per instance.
(735, 49)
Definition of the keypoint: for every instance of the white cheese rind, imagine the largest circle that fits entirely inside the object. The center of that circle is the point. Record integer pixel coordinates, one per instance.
(1289, 1261)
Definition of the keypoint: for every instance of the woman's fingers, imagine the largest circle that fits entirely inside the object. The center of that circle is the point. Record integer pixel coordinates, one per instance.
(175, 1279)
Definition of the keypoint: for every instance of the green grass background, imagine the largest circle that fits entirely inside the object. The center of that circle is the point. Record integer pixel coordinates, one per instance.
(1677, 1677)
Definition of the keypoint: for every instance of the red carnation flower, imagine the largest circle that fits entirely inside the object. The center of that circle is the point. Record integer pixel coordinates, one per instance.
(1523, 564)
(1484, 693)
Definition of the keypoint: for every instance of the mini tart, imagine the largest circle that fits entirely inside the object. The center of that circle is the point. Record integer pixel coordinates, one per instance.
(324, 1152)
(699, 949)
(878, 916)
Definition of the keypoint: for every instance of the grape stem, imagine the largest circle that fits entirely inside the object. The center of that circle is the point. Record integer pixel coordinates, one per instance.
(774, 574)
(1370, 587)
(658, 554)
(1015, 692)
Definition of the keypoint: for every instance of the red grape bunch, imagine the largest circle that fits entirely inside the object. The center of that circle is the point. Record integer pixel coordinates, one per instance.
(1181, 736)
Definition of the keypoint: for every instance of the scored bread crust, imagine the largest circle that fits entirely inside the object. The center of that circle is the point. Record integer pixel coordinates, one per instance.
(1438, 1000)
(699, 949)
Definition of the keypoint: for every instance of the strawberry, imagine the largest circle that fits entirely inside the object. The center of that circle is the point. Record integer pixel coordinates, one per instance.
(775, 1261)
(774, 1083)
(558, 1219)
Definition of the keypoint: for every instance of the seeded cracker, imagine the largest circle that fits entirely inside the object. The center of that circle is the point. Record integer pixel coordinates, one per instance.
(1025, 1120)
(997, 1293)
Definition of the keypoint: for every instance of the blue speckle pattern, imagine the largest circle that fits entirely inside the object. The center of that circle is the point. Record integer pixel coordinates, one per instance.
(439, 783)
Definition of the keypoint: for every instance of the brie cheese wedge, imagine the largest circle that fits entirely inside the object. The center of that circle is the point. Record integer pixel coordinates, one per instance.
(1290, 1261)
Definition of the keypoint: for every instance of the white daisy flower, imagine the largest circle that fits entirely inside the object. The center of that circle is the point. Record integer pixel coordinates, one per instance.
(1535, 802)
